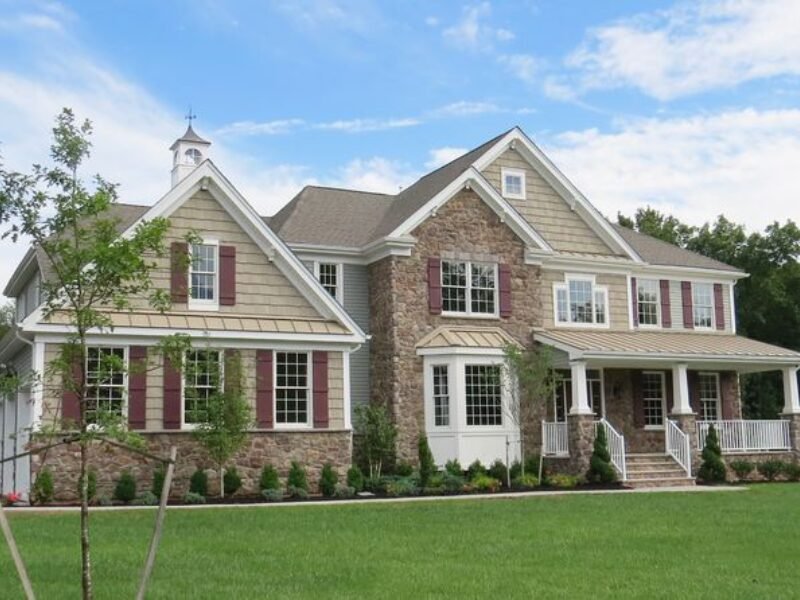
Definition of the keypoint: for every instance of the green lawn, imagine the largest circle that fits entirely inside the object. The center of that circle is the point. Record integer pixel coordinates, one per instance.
(742, 544)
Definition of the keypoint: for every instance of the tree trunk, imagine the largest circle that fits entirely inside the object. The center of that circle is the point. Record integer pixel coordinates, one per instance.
(86, 562)
(221, 481)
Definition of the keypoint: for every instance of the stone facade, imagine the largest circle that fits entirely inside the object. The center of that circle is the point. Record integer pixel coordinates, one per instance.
(464, 228)
(311, 449)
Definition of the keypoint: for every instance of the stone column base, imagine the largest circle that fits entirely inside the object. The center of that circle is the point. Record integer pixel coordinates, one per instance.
(794, 429)
(580, 432)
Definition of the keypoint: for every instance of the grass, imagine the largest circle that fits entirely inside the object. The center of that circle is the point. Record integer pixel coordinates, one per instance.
(732, 544)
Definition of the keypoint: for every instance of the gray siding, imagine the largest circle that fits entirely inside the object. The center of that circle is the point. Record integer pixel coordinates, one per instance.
(23, 363)
(356, 302)
(28, 299)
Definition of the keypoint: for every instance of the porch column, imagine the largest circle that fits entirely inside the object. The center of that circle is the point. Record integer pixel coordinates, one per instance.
(580, 396)
(680, 390)
(791, 398)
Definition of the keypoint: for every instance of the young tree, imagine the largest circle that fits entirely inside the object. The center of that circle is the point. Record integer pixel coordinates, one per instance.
(378, 435)
(91, 269)
(222, 428)
(530, 383)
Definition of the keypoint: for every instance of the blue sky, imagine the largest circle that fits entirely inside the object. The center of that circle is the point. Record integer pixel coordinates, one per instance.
(690, 107)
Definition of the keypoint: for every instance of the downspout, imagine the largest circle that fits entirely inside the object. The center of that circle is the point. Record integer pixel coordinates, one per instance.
(16, 409)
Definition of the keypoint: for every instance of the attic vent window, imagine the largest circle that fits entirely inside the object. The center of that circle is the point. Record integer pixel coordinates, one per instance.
(513, 183)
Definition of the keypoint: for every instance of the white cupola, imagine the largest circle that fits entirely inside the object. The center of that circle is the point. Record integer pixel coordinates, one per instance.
(188, 151)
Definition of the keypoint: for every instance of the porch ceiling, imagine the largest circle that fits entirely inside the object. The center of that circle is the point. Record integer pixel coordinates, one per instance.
(628, 348)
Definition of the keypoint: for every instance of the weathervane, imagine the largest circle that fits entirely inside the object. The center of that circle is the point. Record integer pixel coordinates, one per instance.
(191, 116)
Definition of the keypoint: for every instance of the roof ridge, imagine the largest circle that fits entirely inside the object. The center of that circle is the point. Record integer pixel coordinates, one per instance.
(344, 189)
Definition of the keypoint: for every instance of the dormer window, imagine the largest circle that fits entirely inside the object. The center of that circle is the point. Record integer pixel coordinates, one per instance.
(193, 156)
(513, 183)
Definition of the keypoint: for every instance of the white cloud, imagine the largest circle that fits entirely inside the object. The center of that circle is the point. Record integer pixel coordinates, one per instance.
(523, 66)
(464, 108)
(692, 47)
(741, 163)
(473, 33)
(276, 127)
(431, 21)
(375, 174)
(442, 156)
(363, 125)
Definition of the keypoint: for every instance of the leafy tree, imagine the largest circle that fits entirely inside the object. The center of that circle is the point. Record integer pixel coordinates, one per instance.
(378, 435)
(223, 431)
(664, 227)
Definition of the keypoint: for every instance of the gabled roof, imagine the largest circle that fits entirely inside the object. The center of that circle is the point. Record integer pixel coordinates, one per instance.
(457, 336)
(659, 252)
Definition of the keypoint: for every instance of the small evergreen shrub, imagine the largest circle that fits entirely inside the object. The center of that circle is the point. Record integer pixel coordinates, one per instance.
(328, 480)
(232, 481)
(771, 469)
(344, 491)
(125, 490)
(91, 485)
(43, 488)
(712, 470)
(453, 483)
(401, 486)
(742, 468)
(563, 481)
(198, 484)
(269, 479)
(484, 483)
(272, 494)
(355, 479)
(792, 471)
(454, 467)
(404, 469)
(159, 475)
(475, 469)
(194, 498)
(516, 470)
(427, 466)
(532, 464)
(296, 493)
(104, 500)
(600, 468)
(524, 482)
(497, 470)
(297, 478)
(147, 498)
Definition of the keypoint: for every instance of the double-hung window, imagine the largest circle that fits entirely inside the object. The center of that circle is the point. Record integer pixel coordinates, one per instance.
(204, 274)
(653, 399)
(202, 378)
(484, 397)
(647, 292)
(441, 396)
(708, 388)
(105, 383)
(703, 305)
(292, 389)
(469, 288)
(513, 183)
(330, 276)
(580, 301)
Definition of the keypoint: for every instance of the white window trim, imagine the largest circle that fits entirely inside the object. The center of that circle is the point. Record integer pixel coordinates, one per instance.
(339, 297)
(713, 308)
(662, 375)
(595, 288)
(195, 304)
(568, 400)
(193, 426)
(514, 173)
(309, 424)
(715, 375)
(125, 353)
(469, 314)
(449, 425)
(658, 304)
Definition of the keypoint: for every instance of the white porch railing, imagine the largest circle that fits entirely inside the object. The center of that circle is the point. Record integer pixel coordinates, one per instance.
(747, 436)
(678, 446)
(554, 439)
(616, 447)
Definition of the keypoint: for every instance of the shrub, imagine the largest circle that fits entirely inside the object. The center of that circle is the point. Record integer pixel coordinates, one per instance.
(475, 469)
(43, 488)
(272, 494)
(742, 468)
(484, 483)
(600, 468)
(269, 479)
(524, 482)
(104, 500)
(378, 433)
(453, 483)
(770, 469)
(427, 466)
(532, 464)
(562, 481)
(159, 475)
(147, 498)
(297, 493)
(454, 467)
(232, 481)
(516, 470)
(297, 478)
(712, 470)
(125, 491)
(404, 469)
(401, 486)
(343, 491)
(498, 470)
(194, 498)
(198, 484)
(355, 479)
(328, 480)
(792, 471)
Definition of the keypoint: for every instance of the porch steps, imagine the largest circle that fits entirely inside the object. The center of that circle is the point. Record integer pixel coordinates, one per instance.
(655, 470)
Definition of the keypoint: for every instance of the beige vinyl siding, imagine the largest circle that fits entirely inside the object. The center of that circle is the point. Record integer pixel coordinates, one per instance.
(51, 387)
(545, 210)
(617, 299)
(335, 391)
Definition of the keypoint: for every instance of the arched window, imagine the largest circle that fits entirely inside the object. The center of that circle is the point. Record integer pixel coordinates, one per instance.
(193, 156)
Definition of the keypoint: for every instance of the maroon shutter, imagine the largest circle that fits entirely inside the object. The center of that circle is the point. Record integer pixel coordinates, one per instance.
(70, 401)
(504, 275)
(178, 273)
(227, 275)
(137, 387)
(694, 393)
(719, 306)
(728, 396)
(264, 389)
(635, 302)
(320, 376)
(172, 396)
(686, 298)
(666, 309)
(638, 405)
(435, 286)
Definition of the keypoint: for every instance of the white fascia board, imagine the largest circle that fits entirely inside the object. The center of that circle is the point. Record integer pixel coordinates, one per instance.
(693, 273)
(22, 274)
(696, 358)
(627, 267)
(517, 140)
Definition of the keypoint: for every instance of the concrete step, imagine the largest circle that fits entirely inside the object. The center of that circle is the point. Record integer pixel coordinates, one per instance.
(661, 482)
(655, 462)
(657, 474)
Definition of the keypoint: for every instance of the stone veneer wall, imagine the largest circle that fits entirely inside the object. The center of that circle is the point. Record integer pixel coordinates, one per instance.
(464, 228)
(311, 449)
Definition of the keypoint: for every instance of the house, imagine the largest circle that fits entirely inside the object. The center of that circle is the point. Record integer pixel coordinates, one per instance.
(409, 300)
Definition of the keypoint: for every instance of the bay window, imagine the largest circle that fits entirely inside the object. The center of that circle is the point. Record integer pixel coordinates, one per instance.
(441, 396)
